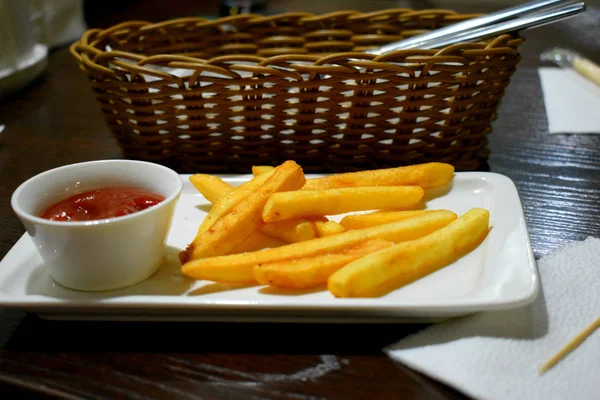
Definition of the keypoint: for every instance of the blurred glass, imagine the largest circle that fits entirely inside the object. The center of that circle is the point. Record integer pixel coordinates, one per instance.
(16, 36)
(22, 58)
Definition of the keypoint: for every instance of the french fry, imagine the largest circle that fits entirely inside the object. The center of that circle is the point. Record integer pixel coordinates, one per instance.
(237, 268)
(257, 241)
(223, 235)
(211, 187)
(403, 263)
(426, 175)
(228, 202)
(359, 221)
(261, 169)
(291, 231)
(311, 203)
(312, 272)
(328, 228)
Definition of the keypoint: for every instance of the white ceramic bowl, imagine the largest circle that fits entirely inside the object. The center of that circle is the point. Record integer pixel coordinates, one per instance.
(100, 254)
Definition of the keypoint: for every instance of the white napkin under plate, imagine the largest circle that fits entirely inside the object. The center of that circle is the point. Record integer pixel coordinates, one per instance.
(572, 101)
(497, 354)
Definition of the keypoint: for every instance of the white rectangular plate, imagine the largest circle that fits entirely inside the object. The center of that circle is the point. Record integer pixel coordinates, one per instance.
(500, 274)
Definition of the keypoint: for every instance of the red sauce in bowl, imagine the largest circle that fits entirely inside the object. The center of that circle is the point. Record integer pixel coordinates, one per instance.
(101, 204)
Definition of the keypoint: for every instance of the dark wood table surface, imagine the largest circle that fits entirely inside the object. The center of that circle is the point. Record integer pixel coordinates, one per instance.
(56, 122)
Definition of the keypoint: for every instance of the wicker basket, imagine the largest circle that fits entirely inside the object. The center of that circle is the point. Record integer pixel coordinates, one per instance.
(222, 95)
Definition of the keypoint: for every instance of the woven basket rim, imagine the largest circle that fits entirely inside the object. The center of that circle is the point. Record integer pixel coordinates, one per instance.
(86, 45)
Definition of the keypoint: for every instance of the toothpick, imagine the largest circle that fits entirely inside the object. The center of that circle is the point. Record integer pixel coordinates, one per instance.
(576, 341)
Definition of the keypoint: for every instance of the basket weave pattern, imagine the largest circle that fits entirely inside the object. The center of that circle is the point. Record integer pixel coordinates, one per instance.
(222, 95)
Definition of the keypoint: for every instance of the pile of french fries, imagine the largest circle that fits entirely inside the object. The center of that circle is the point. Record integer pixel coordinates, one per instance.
(275, 229)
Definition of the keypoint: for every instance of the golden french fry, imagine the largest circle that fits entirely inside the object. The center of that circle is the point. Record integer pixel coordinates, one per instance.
(228, 202)
(211, 187)
(222, 236)
(291, 231)
(426, 175)
(327, 228)
(261, 169)
(310, 203)
(359, 221)
(312, 272)
(403, 263)
(237, 268)
(257, 241)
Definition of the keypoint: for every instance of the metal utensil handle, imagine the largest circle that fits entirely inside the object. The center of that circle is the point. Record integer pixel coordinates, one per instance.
(528, 22)
(475, 23)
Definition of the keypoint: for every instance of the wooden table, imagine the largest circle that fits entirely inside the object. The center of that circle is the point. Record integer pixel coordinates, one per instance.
(57, 122)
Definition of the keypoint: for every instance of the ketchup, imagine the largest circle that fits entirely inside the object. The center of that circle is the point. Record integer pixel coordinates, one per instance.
(102, 203)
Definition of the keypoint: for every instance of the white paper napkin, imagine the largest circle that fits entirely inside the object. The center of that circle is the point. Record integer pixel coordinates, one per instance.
(572, 102)
(496, 355)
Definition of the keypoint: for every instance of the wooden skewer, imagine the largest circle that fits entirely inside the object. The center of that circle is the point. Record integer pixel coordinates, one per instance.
(587, 69)
(576, 341)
